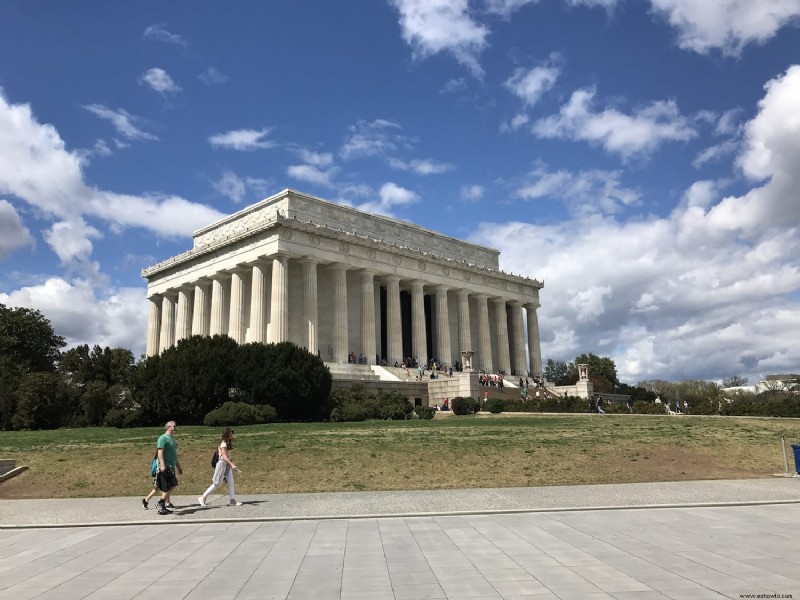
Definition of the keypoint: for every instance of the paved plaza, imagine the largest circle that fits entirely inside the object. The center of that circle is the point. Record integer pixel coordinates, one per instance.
(691, 540)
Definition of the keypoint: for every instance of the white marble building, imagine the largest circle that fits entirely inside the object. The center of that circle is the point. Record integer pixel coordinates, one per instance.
(336, 280)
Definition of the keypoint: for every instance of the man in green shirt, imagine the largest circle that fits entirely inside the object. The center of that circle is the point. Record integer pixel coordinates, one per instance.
(167, 464)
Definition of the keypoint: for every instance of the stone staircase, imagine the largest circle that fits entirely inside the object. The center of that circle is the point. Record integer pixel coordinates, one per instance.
(351, 372)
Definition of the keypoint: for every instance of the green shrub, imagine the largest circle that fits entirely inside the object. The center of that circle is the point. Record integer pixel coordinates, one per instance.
(648, 408)
(425, 412)
(395, 407)
(616, 408)
(239, 413)
(349, 411)
(125, 417)
(464, 406)
(494, 405)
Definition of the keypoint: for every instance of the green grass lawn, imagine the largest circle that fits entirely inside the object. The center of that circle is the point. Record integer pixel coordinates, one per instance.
(456, 452)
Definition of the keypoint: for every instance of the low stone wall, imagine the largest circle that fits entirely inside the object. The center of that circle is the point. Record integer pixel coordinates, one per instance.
(460, 384)
(415, 391)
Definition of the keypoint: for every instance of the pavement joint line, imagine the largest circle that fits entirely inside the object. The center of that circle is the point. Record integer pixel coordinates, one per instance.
(457, 513)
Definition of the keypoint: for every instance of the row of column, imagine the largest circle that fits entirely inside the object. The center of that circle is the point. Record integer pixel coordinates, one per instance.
(167, 325)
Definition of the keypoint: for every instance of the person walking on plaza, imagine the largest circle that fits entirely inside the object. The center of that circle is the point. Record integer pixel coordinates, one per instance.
(168, 462)
(223, 470)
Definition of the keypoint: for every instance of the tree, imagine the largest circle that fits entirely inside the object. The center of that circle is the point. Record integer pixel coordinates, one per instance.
(560, 372)
(734, 381)
(27, 341)
(602, 371)
(294, 381)
(42, 402)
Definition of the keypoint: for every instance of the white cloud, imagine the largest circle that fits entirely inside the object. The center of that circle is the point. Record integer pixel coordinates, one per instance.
(318, 159)
(234, 187)
(585, 192)
(160, 34)
(312, 174)
(708, 290)
(529, 85)
(434, 26)
(453, 86)
(420, 166)
(76, 312)
(472, 193)
(372, 138)
(516, 122)
(726, 25)
(13, 233)
(123, 121)
(36, 167)
(390, 196)
(715, 153)
(771, 154)
(243, 139)
(635, 135)
(160, 81)
(72, 241)
(212, 76)
(231, 186)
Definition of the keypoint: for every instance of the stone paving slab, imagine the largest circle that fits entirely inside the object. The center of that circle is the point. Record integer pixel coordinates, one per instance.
(627, 554)
(99, 511)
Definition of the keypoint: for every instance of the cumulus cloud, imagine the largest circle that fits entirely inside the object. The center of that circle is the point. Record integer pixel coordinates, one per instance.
(726, 25)
(517, 121)
(710, 289)
(236, 188)
(124, 122)
(212, 76)
(529, 85)
(159, 33)
(312, 174)
(13, 234)
(243, 139)
(772, 155)
(160, 81)
(36, 167)
(390, 196)
(420, 166)
(372, 138)
(433, 26)
(318, 159)
(584, 192)
(629, 135)
(472, 193)
(78, 313)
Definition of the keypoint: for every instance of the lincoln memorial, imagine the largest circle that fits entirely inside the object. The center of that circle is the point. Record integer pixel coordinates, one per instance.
(338, 282)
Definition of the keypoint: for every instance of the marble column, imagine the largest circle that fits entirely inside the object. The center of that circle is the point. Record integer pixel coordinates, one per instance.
(236, 327)
(501, 333)
(167, 338)
(419, 345)
(258, 313)
(183, 328)
(279, 304)
(219, 301)
(464, 337)
(153, 325)
(520, 362)
(340, 340)
(368, 316)
(310, 310)
(394, 331)
(484, 335)
(200, 309)
(443, 354)
(534, 348)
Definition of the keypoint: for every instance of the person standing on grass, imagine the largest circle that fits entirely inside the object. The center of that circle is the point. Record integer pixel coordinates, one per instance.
(224, 470)
(167, 464)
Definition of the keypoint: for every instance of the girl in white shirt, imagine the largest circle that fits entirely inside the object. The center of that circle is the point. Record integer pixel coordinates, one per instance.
(224, 470)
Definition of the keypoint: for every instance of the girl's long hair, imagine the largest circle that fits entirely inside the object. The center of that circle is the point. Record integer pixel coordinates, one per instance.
(227, 437)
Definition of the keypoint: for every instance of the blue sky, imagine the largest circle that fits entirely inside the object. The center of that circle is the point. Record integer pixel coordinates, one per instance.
(642, 157)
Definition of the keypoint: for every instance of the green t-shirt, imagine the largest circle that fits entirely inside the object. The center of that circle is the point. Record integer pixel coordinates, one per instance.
(170, 447)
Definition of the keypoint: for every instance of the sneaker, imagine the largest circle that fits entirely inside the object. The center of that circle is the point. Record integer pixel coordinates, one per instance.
(171, 506)
(163, 510)
(201, 501)
(235, 502)
(144, 503)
